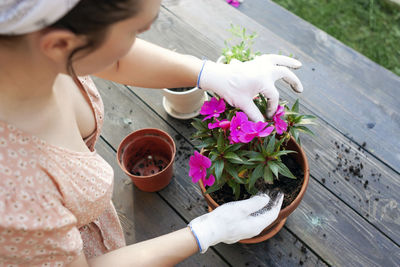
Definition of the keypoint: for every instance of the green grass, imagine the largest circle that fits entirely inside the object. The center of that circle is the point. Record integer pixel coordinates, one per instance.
(367, 26)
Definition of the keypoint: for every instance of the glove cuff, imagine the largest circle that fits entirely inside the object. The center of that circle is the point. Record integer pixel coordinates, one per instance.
(195, 236)
(201, 71)
(202, 233)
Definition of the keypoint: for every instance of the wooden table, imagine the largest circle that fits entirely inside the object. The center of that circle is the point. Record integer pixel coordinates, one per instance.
(343, 220)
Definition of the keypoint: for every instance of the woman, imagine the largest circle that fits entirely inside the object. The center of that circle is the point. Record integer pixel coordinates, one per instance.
(55, 190)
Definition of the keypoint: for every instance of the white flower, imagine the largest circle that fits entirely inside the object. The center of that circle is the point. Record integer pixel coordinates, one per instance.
(12, 138)
(23, 152)
(3, 142)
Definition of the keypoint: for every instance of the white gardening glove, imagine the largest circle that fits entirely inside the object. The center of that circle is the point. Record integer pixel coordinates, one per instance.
(239, 82)
(235, 220)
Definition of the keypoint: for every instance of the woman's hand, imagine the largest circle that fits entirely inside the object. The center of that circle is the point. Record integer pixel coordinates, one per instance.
(235, 220)
(239, 82)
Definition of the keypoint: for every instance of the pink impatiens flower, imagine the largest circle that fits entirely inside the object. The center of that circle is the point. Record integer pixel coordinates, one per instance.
(210, 181)
(198, 169)
(237, 122)
(280, 124)
(224, 124)
(254, 129)
(212, 108)
(234, 3)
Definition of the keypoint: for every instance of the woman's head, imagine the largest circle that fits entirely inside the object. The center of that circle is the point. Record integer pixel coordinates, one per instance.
(94, 34)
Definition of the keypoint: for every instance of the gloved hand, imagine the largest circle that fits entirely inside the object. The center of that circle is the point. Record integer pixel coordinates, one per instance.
(239, 82)
(235, 220)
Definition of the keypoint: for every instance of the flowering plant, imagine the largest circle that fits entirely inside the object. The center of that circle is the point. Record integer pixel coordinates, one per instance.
(242, 50)
(238, 151)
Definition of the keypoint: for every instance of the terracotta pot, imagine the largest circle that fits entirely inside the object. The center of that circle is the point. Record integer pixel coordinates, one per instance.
(184, 105)
(147, 157)
(277, 225)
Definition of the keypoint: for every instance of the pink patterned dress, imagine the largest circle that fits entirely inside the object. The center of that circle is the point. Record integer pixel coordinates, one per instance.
(55, 203)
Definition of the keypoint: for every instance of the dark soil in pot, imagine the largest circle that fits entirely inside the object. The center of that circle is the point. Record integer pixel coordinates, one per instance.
(149, 165)
(290, 187)
(180, 89)
(150, 155)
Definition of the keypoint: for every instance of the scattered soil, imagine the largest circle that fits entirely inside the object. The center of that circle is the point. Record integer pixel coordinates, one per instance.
(289, 187)
(350, 167)
(349, 162)
(181, 89)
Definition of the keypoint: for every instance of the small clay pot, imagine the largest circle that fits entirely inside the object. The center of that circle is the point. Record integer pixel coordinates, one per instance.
(147, 157)
(185, 104)
(277, 225)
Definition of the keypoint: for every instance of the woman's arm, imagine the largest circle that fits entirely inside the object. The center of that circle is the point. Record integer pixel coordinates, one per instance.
(150, 66)
(228, 223)
(166, 250)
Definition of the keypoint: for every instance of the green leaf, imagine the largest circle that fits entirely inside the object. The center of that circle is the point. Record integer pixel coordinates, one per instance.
(264, 104)
(233, 148)
(233, 158)
(279, 143)
(295, 134)
(220, 142)
(236, 191)
(291, 113)
(213, 156)
(297, 119)
(218, 167)
(283, 152)
(233, 172)
(198, 124)
(295, 106)
(242, 153)
(271, 145)
(308, 119)
(268, 178)
(200, 136)
(251, 191)
(257, 173)
(272, 164)
(200, 146)
(285, 170)
(304, 129)
(214, 187)
(255, 156)
(235, 188)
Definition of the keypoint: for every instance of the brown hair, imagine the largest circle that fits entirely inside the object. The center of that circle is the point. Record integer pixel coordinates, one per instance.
(90, 18)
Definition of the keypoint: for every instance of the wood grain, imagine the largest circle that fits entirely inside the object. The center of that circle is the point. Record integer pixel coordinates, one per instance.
(342, 219)
(349, 91)
(146, 215)
(382, 214)
(184, 196)
(355, 191)
(124, 112)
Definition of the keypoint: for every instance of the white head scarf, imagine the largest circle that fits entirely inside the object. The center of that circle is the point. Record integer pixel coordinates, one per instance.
(25, 16)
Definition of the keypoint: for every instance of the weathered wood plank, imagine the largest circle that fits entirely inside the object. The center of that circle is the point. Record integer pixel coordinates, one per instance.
(355, 191)
(383, 213)
(185, 196)
(124, 112)
(146, 215)
(349, 91)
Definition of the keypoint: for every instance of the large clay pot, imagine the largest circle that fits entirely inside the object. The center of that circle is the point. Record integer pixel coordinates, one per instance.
(147, 157)
(184, 105)
(277, 225)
